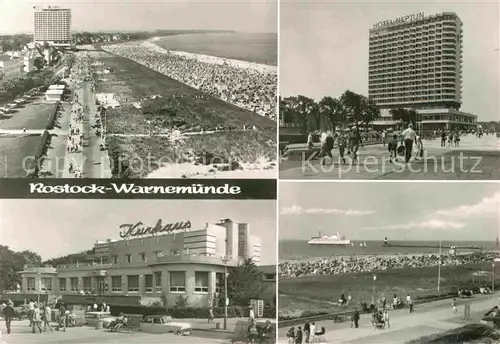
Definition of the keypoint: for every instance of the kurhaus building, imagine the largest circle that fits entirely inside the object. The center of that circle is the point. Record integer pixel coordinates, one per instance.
(415, 62)
(149, 262)
(52, 25)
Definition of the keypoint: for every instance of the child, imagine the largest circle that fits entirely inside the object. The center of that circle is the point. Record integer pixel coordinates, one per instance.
(291, 335)
(393, 148)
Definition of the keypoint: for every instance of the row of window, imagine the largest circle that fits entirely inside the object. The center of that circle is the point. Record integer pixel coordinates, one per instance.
(152, 282)
(411, 99)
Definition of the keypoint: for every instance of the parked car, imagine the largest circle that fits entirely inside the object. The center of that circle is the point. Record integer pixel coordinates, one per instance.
(164, 324)
(91, 318)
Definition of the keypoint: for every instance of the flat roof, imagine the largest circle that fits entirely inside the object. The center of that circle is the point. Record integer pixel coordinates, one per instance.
(54, 92)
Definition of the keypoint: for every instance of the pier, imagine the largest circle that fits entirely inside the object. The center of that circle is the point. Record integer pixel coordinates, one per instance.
(467, 247)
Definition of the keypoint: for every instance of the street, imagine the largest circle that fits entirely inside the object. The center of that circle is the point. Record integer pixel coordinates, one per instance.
(21, 334)
(474, 159)
(428, 319)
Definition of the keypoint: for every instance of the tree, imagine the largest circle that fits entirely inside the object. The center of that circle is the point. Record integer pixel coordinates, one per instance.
(11, 263)
(405, 115)
(38, 63)
(331, 110)
(244, 282)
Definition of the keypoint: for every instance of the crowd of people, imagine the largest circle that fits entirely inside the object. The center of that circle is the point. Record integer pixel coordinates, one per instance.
(254, 90)
(342, 265)
(39, 314)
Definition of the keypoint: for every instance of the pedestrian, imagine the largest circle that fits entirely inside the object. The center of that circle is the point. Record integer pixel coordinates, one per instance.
(409, 136)
(393, 148)
(31, 309)
(210, 315)
(386, 318)
(443, 139)
(37, 319)
(454, 305)
(467, 311)
(307, 331)
(356, 317)
(9, 313)
(312, 335)
(47, 318)
(298, 336)
(342, 143)
(412, 310)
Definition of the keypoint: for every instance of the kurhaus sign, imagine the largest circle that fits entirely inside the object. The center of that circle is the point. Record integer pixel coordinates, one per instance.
(138, 229)
(399, 20)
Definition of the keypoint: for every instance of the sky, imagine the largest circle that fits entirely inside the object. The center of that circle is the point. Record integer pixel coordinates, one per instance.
(324, 47)
(54, 228)
(92, 15)
(399, 211)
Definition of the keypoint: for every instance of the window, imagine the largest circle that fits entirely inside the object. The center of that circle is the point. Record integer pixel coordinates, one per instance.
(129, 258)
(143, 257)
(87, 284)
(201, 282)
(158, 283)
(158, 254)
(219, 282)
(133, 284)
(149, 283)
(116, 284)
(62, 284)
(115, 259)
(269, 277)
(74, 284)
(31, 285)
(177, 281)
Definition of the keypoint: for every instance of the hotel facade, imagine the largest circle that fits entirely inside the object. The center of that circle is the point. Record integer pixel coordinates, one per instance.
(415, 62)
(150, 263)
(52, 25)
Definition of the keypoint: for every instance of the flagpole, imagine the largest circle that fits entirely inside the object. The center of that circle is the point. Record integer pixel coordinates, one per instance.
(439, 267)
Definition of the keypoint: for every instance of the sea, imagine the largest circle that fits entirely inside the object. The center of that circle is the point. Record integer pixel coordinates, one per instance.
(259, 48)
(300, 249)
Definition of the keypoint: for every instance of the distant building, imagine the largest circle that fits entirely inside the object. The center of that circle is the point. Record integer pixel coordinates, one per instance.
(52, 25)
(415, 62)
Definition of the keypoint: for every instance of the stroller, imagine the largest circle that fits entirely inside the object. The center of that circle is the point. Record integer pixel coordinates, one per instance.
(320, 336)
(378, 320)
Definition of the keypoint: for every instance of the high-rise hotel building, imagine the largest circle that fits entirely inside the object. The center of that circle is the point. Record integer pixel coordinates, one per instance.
(52, 25)
(416, 62)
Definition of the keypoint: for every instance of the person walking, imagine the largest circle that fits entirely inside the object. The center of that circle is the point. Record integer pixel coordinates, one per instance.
(409, 136)
(386, 318)
(307, 331)
(9, 313)
(47, 318)
(467, 311)
(37, 319)
(312, 335)
(412, 310)
(356, 317)
(298, 336)
(454, 305)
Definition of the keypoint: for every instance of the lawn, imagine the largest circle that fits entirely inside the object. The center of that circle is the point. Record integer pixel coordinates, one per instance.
(473, 333)
(318, 294)
(229, 147)
(15, 155)
(29, 116)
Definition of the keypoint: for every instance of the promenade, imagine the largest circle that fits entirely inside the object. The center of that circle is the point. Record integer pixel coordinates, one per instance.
(476, 159)
(428, 319)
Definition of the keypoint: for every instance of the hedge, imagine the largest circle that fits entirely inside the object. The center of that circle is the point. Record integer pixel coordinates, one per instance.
(50, 124)
(39, 152)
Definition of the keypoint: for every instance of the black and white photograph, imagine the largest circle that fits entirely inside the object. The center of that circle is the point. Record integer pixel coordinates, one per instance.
(138, 89)
(404, 90)
(389, 263)
(138, 271)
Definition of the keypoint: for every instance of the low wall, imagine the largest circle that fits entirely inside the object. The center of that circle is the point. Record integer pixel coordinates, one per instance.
(50, 123)
(39, 152)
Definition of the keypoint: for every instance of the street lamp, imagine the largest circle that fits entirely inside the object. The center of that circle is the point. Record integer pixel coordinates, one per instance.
(39, 275)
(493, 277)
(225, 259)
(373, 289)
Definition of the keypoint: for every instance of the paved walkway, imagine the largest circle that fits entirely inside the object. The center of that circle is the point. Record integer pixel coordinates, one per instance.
(431, 318)
(374, 163)
(21, 334)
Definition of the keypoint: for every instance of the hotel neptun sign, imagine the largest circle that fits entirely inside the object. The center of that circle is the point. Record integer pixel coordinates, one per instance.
(400, 20)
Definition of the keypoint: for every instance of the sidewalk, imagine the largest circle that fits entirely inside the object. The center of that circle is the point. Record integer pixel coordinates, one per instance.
(428, 319)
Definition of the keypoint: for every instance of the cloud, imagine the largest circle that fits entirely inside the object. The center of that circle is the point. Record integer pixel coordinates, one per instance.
(297, 210)
(487, 206)
(431, 224)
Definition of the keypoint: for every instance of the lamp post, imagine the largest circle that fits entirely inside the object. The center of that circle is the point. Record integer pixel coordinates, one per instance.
(39, 275)
(493, 276)
(226, 301)
(439, 267)
(373, 290)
